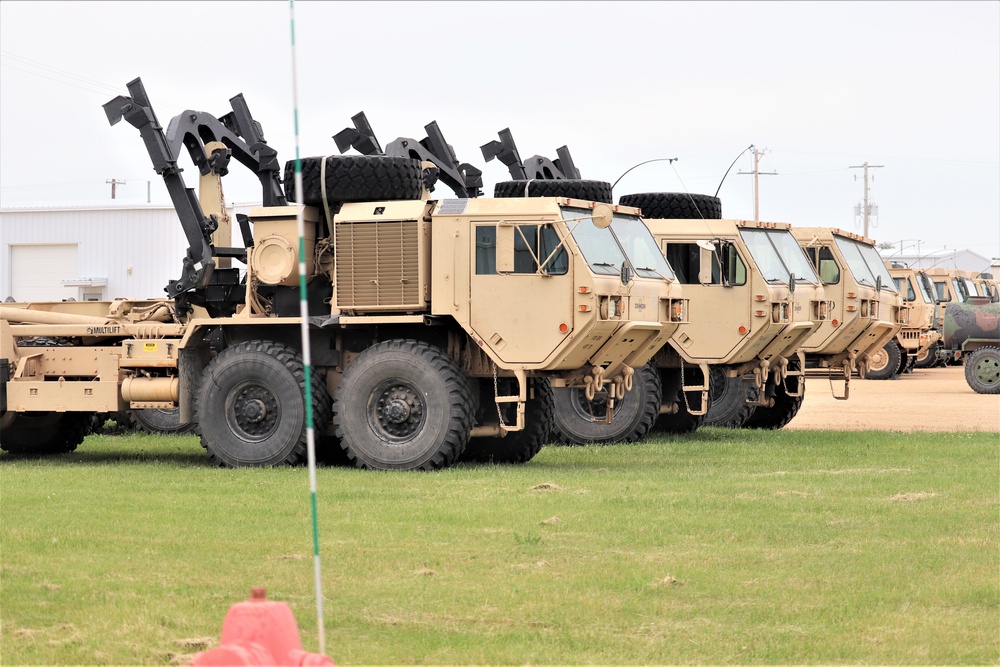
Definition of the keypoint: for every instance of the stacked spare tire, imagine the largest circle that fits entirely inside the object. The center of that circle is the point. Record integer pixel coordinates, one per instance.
(335, 179)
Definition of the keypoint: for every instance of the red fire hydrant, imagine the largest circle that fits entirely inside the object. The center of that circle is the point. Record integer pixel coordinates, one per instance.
(260, 632)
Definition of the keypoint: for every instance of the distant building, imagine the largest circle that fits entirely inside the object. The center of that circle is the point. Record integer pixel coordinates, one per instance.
(967, 260)
(91, 252)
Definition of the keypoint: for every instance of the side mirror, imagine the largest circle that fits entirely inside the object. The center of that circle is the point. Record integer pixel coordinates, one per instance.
(791, 283)
(603, 215)
(878, 284)
(626, 273)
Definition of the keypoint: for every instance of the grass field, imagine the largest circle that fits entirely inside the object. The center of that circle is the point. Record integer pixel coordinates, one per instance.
(723, 547)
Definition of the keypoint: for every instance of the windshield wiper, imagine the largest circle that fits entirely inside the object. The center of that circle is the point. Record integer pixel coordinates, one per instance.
(610, 266)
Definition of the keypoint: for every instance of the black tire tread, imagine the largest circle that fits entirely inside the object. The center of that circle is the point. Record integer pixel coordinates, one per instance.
(64, 437)
(892, 366)
(974, 359)
(458, 390)
(596, 191)
(734, 412)
(293, 362)
(353, 178)
(674, 205)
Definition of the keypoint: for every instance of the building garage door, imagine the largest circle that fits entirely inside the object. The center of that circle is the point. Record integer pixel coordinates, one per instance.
(37, 272)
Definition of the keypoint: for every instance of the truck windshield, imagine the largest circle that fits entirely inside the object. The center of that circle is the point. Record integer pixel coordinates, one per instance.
(864, 262)
(971, 287)
(598, 245)
(922, 284)
(640, 246)
(778, 255)
(606, 249)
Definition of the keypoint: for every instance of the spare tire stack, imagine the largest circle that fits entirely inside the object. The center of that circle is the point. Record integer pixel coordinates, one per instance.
(597, 191)
(674, 205)
(353, 178)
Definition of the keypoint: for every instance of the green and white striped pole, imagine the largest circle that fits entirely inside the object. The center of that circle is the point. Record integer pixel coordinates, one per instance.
(306, 349)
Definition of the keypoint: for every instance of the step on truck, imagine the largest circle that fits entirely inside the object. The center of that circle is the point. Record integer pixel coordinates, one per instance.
(867, 310)
(437, 327)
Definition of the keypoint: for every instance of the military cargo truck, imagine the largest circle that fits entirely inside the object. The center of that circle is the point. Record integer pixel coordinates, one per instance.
(867, 308)
(919, 337)
(950, 287)
(430, 321)
(754, 300)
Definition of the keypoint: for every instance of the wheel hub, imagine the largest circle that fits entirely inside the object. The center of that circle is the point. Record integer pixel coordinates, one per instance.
(878, 359)
(256, 411)
(399, 411)
(988, 371)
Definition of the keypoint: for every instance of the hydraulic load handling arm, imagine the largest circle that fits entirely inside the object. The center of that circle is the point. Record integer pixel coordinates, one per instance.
(244, 140)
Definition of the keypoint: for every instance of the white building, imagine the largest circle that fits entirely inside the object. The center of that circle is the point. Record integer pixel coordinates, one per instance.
(91, 252)
(967, 260)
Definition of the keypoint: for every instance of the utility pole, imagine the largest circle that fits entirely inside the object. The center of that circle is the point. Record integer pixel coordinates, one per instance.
(868, 208)
(114, 183)
(757, 155)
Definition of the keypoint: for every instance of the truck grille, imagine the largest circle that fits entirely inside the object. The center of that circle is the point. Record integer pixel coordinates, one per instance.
(377, 265)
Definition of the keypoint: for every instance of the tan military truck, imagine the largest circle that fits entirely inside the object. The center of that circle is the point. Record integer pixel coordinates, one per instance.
(919, 338)
(754, 299)
(430, 321)
(950, 287)
(867, 310)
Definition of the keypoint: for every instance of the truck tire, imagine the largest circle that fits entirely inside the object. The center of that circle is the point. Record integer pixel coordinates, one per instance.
(783, 411)
(730, 399)
(982, 370)
(674, 205)
(598, 191)
(43, 433)
(682, 421)
(403, 405)
(159, 420)
(633, 418)
(251, 406)
(518, 446)
(927, 358)
(351, 178)
(884, 363)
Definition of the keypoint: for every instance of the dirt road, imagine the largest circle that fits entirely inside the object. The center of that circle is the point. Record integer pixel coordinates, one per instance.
(933, 399)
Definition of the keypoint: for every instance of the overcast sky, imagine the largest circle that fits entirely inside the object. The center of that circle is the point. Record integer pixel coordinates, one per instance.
(818, 87)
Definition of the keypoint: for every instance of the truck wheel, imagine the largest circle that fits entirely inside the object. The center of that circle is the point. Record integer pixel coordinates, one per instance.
(251, 406)
(599, 191)
(729, 399)
(784, 409)
(682, 421)
(159, 420)
(674, 205)
(352, 178)
(884, 363)
(982, 370)
(927, 358)
(518, 446)
(576, 419)
(403, 405)
(43, 433)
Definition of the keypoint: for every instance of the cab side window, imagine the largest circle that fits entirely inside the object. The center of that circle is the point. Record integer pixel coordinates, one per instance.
(824, 263)
(532, 244)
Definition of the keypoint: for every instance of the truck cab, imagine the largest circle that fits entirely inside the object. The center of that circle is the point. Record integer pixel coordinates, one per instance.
(867, 308)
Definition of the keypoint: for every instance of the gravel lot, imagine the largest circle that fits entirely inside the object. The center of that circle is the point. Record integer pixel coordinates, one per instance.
(933, 399)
